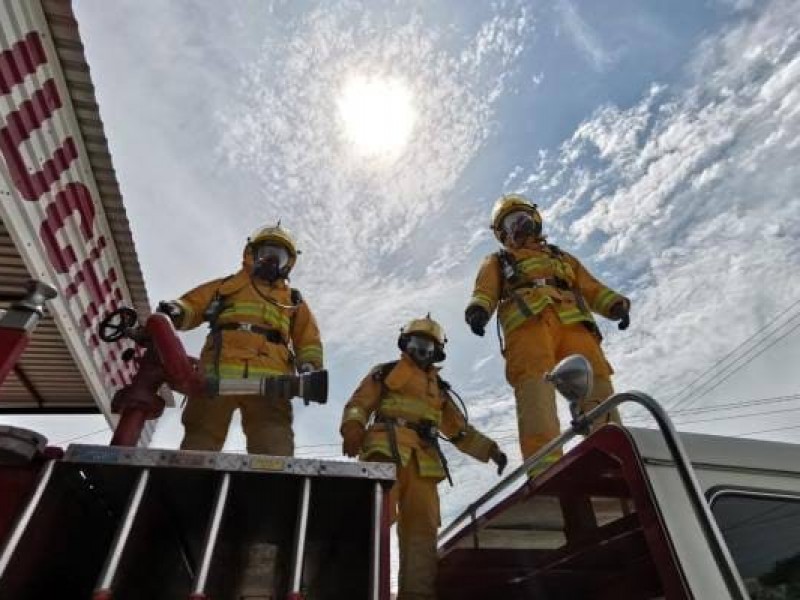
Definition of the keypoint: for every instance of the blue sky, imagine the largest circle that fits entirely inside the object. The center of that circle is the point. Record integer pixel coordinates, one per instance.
(662, 141)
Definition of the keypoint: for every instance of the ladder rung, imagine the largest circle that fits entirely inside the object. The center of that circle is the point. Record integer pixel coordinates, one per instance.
(105, 582)
(212, 536)
(300, 537)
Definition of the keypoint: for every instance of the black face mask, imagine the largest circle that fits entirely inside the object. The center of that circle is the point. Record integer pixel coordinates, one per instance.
(268, 270)
(421, 350)
(525, 228)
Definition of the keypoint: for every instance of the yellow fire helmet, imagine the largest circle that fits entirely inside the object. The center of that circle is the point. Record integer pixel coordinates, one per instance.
(426, 327)
(508, 204)
(278, 235)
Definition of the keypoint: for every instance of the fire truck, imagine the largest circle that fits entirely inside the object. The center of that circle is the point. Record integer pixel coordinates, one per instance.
(626, 513)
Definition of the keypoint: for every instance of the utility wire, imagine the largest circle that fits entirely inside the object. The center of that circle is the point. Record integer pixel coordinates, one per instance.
(737, 404)
(732, 352)
(749, 360)
(500, 434)
(686, 393)
(733, 417)
(80, 437)
(506, 434)
(676, 416)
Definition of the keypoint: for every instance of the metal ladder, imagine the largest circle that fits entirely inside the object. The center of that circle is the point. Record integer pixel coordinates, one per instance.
(223, 468)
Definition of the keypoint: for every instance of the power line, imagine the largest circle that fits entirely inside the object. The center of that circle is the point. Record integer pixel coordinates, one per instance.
(737, 404)
(757, 354)
(686, 394)
(727, 375)
(500, 434)
(732, 352)
(79, 437)
(509, 434)
(677, 415)
(732, 417)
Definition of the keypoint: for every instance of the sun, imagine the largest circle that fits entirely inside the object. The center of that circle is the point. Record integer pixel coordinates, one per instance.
(377, 115)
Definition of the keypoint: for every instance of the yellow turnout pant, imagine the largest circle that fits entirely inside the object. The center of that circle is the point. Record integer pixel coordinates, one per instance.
(532, 350)
(267, 423)
(415, 505)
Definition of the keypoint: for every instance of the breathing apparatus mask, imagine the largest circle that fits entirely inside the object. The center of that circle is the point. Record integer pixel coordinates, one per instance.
(519, 225)
(270, 261)
(422, 350)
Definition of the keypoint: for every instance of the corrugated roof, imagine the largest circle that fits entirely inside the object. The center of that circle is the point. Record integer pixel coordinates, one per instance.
(66, 38)
(48, 378)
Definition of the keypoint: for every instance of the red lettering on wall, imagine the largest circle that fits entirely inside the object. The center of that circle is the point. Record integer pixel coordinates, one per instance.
(75, 198)
(73, 202)
(19, 125)
(87, 275)
(20, 61)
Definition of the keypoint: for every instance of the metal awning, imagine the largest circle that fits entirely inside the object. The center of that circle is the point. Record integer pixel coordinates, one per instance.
(57, 373)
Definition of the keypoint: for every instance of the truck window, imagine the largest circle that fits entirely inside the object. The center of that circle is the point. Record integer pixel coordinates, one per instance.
(763, 534)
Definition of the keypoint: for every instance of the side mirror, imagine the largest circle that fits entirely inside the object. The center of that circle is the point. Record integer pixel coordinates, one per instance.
(573, 380)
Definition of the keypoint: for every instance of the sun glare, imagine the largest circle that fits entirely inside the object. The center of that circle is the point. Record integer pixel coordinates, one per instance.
(377, 115)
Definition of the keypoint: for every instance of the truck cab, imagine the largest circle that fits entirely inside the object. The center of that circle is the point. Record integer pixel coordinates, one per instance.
(612, 519)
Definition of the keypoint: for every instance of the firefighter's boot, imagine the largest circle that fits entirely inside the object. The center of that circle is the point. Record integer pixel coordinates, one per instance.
(601, 391)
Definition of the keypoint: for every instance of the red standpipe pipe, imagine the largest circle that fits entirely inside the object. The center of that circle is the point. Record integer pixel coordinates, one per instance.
(165, 361)
(138, 401)
(178, 369)
(12, 344)
(19, 321)
(130, 426)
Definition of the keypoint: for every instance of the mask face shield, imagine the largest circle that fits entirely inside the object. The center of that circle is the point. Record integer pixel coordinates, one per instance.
(519, 224)
(270, 261)
(422, 349)
(278, 254)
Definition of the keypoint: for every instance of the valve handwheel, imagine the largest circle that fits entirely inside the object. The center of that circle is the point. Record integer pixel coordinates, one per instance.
(116, 325)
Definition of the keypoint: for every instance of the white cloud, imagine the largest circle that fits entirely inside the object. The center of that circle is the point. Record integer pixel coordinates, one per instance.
(585, 39)
(688, 202)
(738, 5)
(691, 196)
(364, 224)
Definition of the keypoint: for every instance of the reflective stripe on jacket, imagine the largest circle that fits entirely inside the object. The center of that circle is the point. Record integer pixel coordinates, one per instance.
(413, 394)
(248, 353)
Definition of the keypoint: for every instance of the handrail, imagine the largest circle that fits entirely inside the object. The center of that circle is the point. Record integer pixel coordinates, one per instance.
(581, 424)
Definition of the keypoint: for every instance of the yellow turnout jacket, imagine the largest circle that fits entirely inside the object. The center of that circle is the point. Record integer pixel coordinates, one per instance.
(414, 395)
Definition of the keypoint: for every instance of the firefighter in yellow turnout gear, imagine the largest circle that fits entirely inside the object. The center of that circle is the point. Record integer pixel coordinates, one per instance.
(396, 415)
(544, 299)
(259, 327)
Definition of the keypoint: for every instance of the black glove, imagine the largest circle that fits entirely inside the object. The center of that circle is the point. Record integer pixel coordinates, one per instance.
(477, 318)
(619, 312)
(499, 458)
(172, 309)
